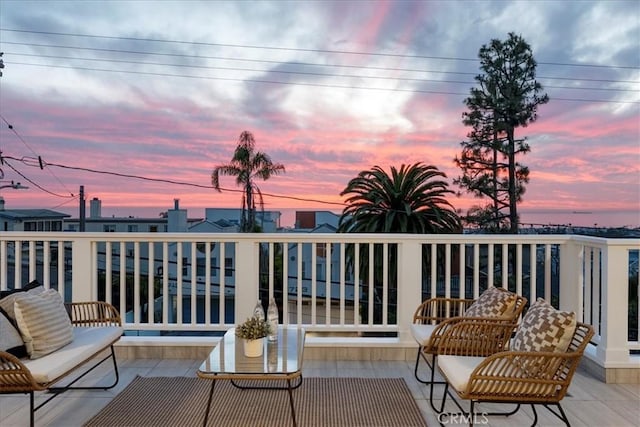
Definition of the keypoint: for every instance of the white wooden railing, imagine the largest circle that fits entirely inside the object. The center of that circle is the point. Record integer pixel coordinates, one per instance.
(334, 284)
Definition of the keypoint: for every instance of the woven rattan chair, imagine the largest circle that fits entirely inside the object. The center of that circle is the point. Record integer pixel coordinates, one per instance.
(519, 377)
(435, 316)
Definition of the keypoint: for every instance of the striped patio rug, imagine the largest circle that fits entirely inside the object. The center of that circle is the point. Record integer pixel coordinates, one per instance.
(180, 401)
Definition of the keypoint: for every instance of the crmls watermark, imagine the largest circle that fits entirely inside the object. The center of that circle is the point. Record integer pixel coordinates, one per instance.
(453, 419)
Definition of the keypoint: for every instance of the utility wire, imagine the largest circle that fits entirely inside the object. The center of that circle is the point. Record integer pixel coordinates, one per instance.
(280, 48)
(4, 158)
(32, 162)
(15, 132)
(302, 73)
(321, 85)
(314, 64)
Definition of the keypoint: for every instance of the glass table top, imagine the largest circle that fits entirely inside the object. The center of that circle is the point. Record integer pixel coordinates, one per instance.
(283, 356)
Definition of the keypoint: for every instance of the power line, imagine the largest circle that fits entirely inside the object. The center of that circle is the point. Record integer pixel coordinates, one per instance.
(280, 48)
(4, 158)
(314, 64)
(320, 85)
(31, 162)
(302, 73)
(15, 132)
(251, 80)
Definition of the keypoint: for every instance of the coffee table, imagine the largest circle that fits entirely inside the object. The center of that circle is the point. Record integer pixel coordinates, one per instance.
(281, 360)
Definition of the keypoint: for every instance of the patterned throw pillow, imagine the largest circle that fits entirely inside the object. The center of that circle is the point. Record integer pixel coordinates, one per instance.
(43, 322)
(494, 302)
(544, 328)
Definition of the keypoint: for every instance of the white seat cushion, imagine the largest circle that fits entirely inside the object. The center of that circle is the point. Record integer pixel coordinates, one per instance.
(457, 369)
(87, 341)
(422, 333)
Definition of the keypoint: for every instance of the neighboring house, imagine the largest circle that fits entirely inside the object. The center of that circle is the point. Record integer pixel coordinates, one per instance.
(269, 221)
(175, 220)
(308, 220)
(30, 219)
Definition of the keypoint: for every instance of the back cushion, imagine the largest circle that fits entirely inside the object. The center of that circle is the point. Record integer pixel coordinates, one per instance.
(8, 298)
(43, 322)
(544, 328)
(494, 302)
(10, 339)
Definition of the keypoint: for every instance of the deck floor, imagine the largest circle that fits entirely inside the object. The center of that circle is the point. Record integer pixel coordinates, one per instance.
(590, 401)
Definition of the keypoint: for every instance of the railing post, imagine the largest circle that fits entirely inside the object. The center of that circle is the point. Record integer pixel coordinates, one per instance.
(247, 278)
(409, 285)
(571, 278)
(84, 280)
(613, 347)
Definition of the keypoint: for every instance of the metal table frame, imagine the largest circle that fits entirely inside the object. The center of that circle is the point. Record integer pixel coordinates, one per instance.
(281, 361)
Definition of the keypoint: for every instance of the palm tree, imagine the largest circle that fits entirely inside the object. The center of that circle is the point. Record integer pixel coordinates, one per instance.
(410, 200)
(247, 165)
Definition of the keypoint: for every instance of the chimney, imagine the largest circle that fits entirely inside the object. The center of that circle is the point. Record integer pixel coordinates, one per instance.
(95, 208)
(176, 218)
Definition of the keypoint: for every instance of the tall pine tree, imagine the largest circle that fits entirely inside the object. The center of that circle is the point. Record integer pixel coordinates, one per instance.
(506, 98)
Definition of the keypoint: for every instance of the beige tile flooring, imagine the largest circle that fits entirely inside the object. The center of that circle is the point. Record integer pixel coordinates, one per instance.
(591, 402)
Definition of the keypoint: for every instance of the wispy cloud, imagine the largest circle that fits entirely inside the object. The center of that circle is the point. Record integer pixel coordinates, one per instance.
(173, 109)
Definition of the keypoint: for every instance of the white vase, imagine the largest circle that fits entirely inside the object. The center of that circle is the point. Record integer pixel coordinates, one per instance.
(253, 348)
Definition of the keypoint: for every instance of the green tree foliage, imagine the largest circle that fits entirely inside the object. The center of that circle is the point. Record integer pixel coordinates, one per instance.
(506, 98)
(248, 165)
(411, 199)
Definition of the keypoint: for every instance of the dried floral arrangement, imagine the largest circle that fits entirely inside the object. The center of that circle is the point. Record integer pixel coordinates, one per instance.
(253, 328)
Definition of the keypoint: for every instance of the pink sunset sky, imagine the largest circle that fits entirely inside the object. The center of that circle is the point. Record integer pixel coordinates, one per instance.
(162, 90)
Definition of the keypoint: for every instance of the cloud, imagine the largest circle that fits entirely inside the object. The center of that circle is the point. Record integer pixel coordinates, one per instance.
(174, 109)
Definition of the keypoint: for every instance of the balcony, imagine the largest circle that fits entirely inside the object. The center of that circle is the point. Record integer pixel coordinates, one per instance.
(355, 295)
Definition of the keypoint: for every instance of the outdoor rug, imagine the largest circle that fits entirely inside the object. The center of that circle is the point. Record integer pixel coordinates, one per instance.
(180, 402)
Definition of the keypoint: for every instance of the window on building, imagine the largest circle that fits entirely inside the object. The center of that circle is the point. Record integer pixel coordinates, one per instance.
(153, 228)
(214, 268)
(132, 228)
(320, 271)
(185, 266)
(109, 228)
(228, 267)
(30, 226)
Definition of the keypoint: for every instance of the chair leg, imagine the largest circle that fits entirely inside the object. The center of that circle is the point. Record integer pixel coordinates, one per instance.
(415, 369)
(32, 410)
(535, 415)
(560, 414)
(431, 383)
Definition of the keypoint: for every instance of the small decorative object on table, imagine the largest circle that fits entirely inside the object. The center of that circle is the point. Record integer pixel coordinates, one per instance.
(272, 318)
(253, 331)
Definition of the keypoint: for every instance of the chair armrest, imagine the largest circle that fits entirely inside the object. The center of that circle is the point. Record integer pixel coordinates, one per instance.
(14, 376)
(471, 336)
(509, 375)
(434, 310)
(93, 313)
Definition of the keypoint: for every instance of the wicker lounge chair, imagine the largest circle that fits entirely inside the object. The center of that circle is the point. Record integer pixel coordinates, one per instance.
(519, 377)
(434, 318)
